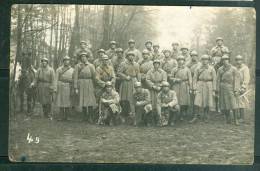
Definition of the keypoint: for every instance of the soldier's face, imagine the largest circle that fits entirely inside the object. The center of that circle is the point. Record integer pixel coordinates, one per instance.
(194, 57)
(131, 45)
(113, 46)
(108, 89)
(165, 89)
(225, 61)
(180, 62)
(148, 45)
(66, 62)
(83, 45)
(205, 61)
(84, 58)
(119, 54)
(184, 51)
(138, 89)
(239, 62)
(44, 63)
(156, 65)
(219, 42)
(145, 56)
(130, 57)
(167, 54)
(156, 48)
(101, 54)
(105, 62)
(174, 46)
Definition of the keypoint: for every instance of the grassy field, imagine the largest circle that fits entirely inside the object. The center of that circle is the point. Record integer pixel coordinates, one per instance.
(75, 141)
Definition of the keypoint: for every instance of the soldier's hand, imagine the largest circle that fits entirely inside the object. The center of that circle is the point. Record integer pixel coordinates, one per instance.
(128, 78)
(213, 93)
(76, 91)
(190, 91)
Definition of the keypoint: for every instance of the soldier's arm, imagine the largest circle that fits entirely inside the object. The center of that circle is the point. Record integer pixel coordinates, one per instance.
(148, 79)
(147, 98)
(56, 79)
(174, 101)
(189, 78)
(246, 76)
(98, 78)
(76, 75)
(121, 72)
(218, 80)
(158, 106)
(195, 79)
(138, 72)
(52, 75)
(214, 79)
(236, 80)
(113, 80)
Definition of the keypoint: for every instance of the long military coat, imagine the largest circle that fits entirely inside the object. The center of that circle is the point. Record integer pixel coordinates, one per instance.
(45, 80)
(155, 78)
(64, 86)
(182, 82)
(228, 84)
(204, 80)
(244, 81)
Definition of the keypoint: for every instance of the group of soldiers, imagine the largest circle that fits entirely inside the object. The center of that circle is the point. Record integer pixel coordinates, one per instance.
(143, 88)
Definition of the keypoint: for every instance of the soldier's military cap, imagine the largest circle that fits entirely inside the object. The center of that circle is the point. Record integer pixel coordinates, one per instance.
(131, 41)
(112, 42)
(148, 41)
(225, 57)
(184, 47)
(130, 53)
(156, 61)
(239, 57)
(45, 59)
(175, 43)
(156, 45)
(205, 57)
(180, 58)
(219, 38)
(137, 84)
(105, 57)
(165, 84)
(145, 51)
(119, 50)
(193, 53)
(83, 42)
(83, 54)
(108, 84)
(101, 50)
(166, 50)
(66, 58)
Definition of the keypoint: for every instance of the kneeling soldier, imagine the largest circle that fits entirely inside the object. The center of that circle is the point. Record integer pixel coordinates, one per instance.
(143, 105)
(109, 106)
(167, 105)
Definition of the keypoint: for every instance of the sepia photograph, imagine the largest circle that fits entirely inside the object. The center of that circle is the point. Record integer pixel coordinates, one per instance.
(132, 84)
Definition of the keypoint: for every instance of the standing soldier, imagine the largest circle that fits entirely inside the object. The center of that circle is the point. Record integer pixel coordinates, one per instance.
(244, 81)
(168, 64)
(84, 47)
(186, 55)
(154, 79)
(217, 52)
(167, 105)
(148, 46)
(85, 75)
(131, 47)
(129, 73)
(63, 87)
(156, 54)
(204, 82)
(182, 82)
(104, 73)
(228, 84)
(145, 65)
(98, 61)
(117, 61)
(175, 50)
(143, 105)
(45, 81)
(111, 52)
(109, 106)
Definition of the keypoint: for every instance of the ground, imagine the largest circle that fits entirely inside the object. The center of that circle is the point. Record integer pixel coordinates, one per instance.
(75, 141)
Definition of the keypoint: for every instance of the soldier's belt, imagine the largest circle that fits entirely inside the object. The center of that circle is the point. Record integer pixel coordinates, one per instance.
(205, 80)
(65, 81)
(44, 81)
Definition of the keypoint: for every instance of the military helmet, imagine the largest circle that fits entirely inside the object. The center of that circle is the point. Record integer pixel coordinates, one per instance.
(101, 50)
(112, 42)
(119, 50)
(165, 84)
(130, 53)
(239, 57)
(137, 84)
(105, 57)
(156, 45)
(219, 38)
(131, 41)
(205, 57)
(225, 57)
(108, 84)
(83, 54)
(166, 50)
(44, 59)
(156, 61)
(145, 51)
(83, 42)
(148, 41)
(180, 58)
(184, 47)
(66, 58)
(193, 53)
(175, 43)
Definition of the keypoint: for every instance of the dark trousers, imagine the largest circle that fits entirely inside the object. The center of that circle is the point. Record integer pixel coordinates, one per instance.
(141, 117)
(46, 110)
(64, 113)
(88, 114)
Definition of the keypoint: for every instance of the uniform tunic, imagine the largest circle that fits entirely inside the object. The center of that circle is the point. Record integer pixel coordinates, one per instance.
(182, 84)
(228, 83)
(111, 53)
(145, 66)
(84, 77)
(175, 54)
(80, 50)
(217, 52)
(138, 54)
(244, 81)
(155, 78)
(64, 83)
(127, 86)
(98, 62)
(204, 84)
(168, 64)
(116, 62)
(157, 56)
(45, 80)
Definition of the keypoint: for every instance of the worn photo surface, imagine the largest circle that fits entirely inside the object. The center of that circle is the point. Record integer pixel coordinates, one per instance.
(132, 84)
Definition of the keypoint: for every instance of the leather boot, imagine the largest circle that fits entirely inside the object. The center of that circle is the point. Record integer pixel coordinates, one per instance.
(235, 114)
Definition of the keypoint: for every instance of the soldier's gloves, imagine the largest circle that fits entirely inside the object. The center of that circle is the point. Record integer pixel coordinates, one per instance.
(32, 85)
(128, 78)
(76, 91)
